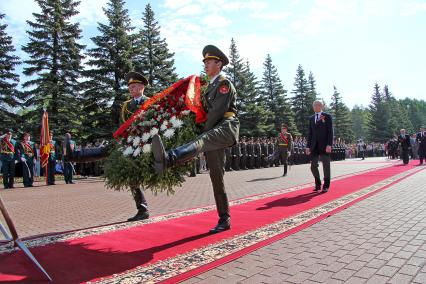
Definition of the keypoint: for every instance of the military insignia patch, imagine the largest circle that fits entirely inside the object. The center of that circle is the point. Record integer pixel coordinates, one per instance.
(224, 89)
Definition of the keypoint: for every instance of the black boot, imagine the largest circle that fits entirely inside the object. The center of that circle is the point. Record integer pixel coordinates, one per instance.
(317, 185)
(326, 185)
(141, 205)
(142, 214)
(163, 160)
(222, 206)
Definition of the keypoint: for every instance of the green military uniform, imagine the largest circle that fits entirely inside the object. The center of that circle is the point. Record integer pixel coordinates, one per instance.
(8, 160)
(221, 131)
(27, 154)
(68, 167)
(128, 109)
(236, 156)
(285, 144)
(51, 162)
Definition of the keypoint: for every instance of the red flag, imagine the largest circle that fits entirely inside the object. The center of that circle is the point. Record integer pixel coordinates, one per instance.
(44, 140)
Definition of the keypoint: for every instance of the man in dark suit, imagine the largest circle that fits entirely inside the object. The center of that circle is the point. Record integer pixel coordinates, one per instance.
(319, 144)
(421, 139)
(404, 141)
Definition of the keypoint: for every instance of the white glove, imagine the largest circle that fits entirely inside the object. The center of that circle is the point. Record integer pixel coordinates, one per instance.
(23, 159)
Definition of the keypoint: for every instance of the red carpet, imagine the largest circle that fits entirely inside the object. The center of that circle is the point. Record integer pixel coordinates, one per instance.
(179, 246)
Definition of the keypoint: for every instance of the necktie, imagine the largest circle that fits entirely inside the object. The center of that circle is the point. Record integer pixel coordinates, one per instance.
(316, 120)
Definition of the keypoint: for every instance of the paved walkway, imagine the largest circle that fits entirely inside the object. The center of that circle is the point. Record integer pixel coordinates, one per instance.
(63, 207)
(381, 239)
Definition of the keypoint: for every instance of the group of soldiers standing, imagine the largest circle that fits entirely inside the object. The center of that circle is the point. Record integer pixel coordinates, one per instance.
(263, 152)
(26, 153)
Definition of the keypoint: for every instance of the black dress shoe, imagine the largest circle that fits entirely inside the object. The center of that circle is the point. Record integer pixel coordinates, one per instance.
(285, 174)
(317, 187)
(139, 216)
(325, 189)
(223, 225)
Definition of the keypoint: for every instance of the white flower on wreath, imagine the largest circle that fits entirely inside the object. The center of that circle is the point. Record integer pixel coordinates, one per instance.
(169, 133)
(176, 123)
(136, 141)
(164, 125)
(146, 136)
(128, 151)
(153, 131)
(137, 152)
(129, 139)
(146, 148)
(186, 112)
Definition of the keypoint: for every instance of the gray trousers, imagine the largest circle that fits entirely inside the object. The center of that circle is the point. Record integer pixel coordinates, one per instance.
(325, 158)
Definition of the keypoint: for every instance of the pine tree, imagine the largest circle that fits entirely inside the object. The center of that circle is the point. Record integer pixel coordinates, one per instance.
(416, 111)
(342, 120)
(274, 99)
(110, 61)
(251, 115)
(302, 101)
(54, 65)
(9, 97)
(235, 73)
(312, 90)
(398, 116)
(378, 125)
(152, 56)
(359, 117)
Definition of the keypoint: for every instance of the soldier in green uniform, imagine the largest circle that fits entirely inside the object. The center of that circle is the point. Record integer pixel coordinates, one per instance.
(243, 148)
(220, 131)
(68, 167)
(285, 144)
(257, 153)
(265, 152)
(8, 158)
(51, 162)
(236, 156)
(27, 154)
(136, 83)
(250, 153)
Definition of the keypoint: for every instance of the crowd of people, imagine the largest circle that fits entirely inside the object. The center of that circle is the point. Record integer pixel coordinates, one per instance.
(22, 158)
(248, 153)
(258, 152)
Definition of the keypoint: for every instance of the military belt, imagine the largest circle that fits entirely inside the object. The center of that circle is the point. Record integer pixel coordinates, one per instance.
(229, 114)
(282, 144)
(7, 152)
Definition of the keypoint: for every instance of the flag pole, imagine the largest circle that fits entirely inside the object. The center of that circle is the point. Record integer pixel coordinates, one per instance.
(44, 143)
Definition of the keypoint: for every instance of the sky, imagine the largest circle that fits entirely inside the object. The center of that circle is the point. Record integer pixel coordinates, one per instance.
(350, 44)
